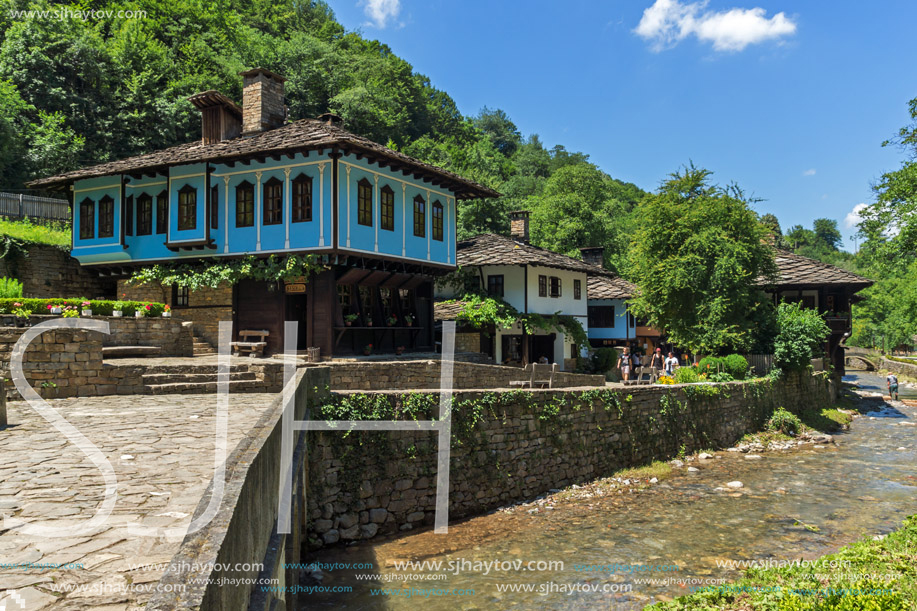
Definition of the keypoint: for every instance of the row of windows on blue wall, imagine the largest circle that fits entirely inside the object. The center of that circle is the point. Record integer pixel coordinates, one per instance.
(187, 209)
(387, 211)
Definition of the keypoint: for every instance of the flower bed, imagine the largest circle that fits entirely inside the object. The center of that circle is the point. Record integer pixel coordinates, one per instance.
(99, 307)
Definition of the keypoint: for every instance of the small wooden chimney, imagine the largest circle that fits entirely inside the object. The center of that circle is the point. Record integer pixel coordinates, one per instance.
(221, 118)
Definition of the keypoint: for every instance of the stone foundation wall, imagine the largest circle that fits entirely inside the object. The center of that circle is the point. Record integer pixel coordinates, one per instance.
(48, 271)
(899, 368)
(526, 444)
(206, 306)
(170, 334)
(417, 374)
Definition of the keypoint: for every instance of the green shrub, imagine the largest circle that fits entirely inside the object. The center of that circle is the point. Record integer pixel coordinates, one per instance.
(10, 287)
(800, 337)
(736, 365)
(686, 375)
(710, 364)
(99, 307)
(720, 376)
(784, 422)
(604, 359)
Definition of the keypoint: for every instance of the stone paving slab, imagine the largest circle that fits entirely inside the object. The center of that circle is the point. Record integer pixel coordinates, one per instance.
(161, 448)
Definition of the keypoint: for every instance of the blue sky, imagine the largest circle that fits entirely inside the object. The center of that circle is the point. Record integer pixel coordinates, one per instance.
(791, 100)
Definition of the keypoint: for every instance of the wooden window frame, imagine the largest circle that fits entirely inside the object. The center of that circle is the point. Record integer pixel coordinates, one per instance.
(495, 285)
(542, 286)
(187, 208)
(420, 217)
(214, 207)
(272, 202)
(245, 204)
(107, 217)
(364, 203)
(144, 215)
(162, 213)
(87, 227)
(387, 208)
(437, 221)
(601, 317)
(555, 283)
(301, 199)
(577, 288)
(181, 296)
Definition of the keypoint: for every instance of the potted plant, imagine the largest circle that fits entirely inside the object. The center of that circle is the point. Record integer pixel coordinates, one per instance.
(408, 319)
(141, 312)
(369, 322)
(22, 315)
(368, 349)
(54, 309)
(391, 320)
(86, 308)
(71, 312)
(117, 309)
(399, 350)
(167, 311)
(349, 319)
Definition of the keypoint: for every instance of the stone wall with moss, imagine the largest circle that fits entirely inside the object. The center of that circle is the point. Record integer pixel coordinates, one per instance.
(510, 446)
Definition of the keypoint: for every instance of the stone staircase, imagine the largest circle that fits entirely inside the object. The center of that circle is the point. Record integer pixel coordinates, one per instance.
(201, 379)
(201, 346)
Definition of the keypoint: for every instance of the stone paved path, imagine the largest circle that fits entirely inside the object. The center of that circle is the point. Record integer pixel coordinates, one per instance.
(161, 448)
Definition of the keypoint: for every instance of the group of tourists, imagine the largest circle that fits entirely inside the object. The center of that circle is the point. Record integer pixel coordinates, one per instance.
(659, 363)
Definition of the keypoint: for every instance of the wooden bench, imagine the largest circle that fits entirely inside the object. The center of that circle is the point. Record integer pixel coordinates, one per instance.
(246, 346)
(542, 375)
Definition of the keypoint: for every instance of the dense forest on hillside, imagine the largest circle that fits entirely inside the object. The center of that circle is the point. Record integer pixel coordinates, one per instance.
(75, 92)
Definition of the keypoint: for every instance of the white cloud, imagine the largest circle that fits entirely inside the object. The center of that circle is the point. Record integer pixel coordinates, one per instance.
(380, 12)
(809, 172)
(668, 22)
(853, 217)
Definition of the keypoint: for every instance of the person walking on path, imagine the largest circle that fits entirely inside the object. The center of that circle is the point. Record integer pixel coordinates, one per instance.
(671, 364)
(624, 364)
(892, 380)
(657, 362)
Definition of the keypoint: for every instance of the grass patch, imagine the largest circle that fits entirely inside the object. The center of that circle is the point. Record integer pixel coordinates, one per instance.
(868, 574)
(55, 234)
(657, 469)
(825, 420)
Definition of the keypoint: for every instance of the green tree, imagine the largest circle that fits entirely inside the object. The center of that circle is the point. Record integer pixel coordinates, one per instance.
(801, 335)
(697, 255)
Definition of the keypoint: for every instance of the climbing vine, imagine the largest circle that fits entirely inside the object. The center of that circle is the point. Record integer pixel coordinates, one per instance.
(200, 274)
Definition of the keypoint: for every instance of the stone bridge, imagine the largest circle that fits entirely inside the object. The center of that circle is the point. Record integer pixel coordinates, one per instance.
(859, 362)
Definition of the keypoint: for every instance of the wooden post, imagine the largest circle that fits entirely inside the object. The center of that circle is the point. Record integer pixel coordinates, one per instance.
(3, 420)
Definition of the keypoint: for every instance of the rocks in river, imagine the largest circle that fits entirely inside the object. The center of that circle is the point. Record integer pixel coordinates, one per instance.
(733, 450)
(902, 448)
(676, 463)
(819, 447)
(736, 484)
(654, 480)
(752, 457)
(704, 456)
(693, 469)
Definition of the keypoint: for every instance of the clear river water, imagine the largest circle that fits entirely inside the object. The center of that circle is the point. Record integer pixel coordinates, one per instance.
(683, 532)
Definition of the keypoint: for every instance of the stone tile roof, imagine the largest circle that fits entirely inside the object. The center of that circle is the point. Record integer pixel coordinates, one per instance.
(447, 310)
(492, 249)
(302, 135)
(796, 270)
(609, 287)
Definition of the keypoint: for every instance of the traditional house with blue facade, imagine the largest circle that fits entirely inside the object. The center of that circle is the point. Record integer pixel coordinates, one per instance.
(383, 223)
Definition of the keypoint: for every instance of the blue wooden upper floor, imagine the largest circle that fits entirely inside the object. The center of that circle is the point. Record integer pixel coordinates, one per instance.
(257, 184)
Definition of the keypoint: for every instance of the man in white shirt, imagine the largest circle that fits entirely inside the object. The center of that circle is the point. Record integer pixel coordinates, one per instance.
(671, 364)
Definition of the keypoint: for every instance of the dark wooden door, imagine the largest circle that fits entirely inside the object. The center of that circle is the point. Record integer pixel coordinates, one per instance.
(259, 305)
(296, 312)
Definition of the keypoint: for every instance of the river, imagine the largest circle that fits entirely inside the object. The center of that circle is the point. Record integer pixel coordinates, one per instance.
(683, 531)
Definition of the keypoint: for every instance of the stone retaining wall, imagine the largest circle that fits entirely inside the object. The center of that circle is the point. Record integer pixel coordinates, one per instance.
(170, 334)
(900, 368)
(48, 271)
(526, 444)
(416, 374)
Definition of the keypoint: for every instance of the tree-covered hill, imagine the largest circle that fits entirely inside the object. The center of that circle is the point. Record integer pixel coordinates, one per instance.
(75, 92)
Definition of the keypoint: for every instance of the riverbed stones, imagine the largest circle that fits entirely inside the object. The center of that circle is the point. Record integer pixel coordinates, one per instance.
(693, 469)
(752, 457)
(704, 456)
(736, 484)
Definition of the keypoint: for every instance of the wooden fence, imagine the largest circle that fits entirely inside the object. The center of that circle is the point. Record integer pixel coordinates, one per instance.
(760, 363)
(18, 206)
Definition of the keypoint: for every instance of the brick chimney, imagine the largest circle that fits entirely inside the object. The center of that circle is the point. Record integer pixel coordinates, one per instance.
(519, 225)
(262, 101)
(594, 255)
